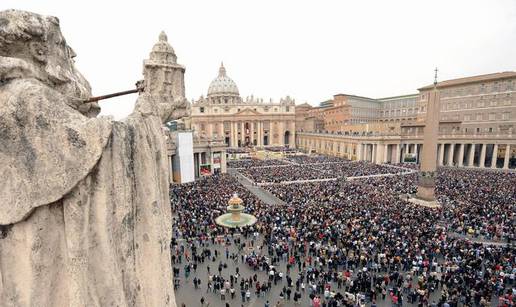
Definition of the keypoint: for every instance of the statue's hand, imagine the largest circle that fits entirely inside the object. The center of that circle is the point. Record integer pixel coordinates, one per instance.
(89, 109)
(177, 109)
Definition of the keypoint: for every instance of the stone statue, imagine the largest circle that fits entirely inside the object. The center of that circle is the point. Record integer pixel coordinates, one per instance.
(85, 216)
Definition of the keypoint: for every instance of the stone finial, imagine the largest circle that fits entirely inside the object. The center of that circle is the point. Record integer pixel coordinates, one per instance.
(163, 37)
(222, 70)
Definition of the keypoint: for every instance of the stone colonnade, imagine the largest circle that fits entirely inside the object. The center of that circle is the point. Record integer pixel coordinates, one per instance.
(488, 154)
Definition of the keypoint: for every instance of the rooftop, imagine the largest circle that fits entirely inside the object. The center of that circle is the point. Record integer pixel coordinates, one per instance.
(473, 79)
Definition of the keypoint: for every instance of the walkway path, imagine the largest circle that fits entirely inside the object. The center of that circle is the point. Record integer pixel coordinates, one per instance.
(263, 195)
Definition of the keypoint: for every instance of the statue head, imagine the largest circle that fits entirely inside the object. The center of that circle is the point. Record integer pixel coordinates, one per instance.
(33, 46)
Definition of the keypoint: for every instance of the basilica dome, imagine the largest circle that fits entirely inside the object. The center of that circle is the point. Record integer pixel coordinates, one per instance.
(223, 85)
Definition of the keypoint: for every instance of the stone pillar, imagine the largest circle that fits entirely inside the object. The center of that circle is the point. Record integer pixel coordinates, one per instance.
(441, 154)
(482, 161)
(358, 152)
(495, 156)
(507, 156)
(385, 153)
(471, 156)
(242, 133)
(461, 155)
(235, 134)
(223, 166)
(373, 153)
(292, 129)
(221, 131)
(451, 153)
(210, 130)
(398, 154)
(251, 131)
(232, 135)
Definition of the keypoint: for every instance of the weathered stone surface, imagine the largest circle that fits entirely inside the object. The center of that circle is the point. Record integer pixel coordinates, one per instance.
(84, 209)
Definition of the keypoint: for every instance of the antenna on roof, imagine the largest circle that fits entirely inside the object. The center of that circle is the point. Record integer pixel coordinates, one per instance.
(435, 76)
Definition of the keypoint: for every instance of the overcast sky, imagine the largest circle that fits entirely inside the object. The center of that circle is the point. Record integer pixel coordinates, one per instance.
(309, 50)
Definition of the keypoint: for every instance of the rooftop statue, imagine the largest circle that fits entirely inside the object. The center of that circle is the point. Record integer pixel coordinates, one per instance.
(85, 218)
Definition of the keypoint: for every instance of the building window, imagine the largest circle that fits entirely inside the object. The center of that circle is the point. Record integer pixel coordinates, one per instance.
(201, 109)
(287, 108)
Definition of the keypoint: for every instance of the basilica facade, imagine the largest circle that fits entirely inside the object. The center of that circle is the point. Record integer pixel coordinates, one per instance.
(238, 122)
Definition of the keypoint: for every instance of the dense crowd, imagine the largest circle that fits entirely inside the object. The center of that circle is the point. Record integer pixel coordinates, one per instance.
(348, 243)
(304, 159)
(285, 173)
(248, 163)
(487, 209)
(354, 169)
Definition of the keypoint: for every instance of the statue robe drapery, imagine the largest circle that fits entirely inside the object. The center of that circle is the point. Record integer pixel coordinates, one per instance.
(83, 201)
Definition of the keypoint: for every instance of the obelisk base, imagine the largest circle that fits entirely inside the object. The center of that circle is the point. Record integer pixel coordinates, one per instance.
(426, 191)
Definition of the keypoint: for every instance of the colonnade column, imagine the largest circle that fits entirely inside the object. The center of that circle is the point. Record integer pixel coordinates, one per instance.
(441, 155)
(482, 161)
(359, 152)
(461, 155)
(385, 153)
(397, 158)
(507, 156)
(494, 156)
(451, 153)
(471, 156)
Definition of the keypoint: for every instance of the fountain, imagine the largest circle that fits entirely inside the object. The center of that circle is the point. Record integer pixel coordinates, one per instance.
(235, 218)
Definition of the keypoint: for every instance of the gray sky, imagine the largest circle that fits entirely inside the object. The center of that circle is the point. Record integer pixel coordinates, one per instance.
(309, 50)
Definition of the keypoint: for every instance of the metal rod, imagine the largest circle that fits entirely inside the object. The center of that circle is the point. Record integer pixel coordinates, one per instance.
(93, 99)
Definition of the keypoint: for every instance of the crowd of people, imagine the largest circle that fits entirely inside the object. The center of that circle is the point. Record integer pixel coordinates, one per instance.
(348, 243)
(356, 169)
(285, 173)
(310, 168)
(304, 159)
(250, 163)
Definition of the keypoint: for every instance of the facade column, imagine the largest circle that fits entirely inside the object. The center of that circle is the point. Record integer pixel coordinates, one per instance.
(441, 155)
(223, 166)
(235, 136)
(482, 161)
(461, 155)
(251, 131)
(210, 130)
(451, 153)
(494, 156)
(281, 132)
(221, 131)
(471, 156)
(398, 154)
(507, 156)
(242, 133)
(258, 134)
(232, 135)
